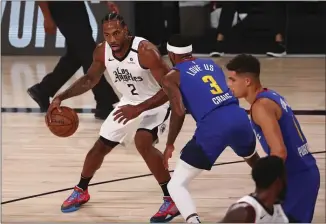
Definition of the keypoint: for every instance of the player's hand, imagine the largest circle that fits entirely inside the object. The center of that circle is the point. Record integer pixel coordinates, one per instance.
(55, 104)
(112, 7)
(49, 26)
(126, 113)
(167, 155)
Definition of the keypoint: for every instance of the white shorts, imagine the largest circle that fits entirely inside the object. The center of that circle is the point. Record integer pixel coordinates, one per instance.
(149, 120)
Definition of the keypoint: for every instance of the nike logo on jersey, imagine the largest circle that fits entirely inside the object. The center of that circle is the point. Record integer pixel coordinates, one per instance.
(262, 217)
(111, 59)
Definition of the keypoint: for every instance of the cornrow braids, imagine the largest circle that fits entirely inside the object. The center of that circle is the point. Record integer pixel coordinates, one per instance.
(114, 16)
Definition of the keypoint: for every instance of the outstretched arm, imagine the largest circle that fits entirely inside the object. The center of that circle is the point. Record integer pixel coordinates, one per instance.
(240, 213)
(149, 57)
(264, 114)
(89, 80)
(170, 84)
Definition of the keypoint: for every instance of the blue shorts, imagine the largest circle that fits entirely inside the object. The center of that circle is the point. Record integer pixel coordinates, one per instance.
(301, 195)
(225, 126)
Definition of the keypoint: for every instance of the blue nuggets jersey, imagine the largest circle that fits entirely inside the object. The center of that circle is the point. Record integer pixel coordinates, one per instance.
(203, 87)
(298, 156)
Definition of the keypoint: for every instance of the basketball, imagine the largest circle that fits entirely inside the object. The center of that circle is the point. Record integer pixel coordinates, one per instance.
(64, 123)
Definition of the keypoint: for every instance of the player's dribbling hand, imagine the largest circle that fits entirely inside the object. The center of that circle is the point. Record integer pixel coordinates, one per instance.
(167, 155)
(55, 104)
(126, 113)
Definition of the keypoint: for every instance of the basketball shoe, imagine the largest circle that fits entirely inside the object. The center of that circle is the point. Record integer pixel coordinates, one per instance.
(167, 211)
(75, 200)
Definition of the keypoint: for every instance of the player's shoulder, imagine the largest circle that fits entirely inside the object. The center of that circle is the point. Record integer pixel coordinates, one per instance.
(99, 51)
(147, 48)
(266, 101)
(100, 45)
(241, 211)
(149, 56)
(173, 76)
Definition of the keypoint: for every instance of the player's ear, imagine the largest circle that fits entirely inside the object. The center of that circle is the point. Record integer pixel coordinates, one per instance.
(247, 81)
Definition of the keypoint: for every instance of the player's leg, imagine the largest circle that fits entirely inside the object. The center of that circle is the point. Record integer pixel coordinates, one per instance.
(192, 162)
(241, 137)
(153, 157)
(111, 134)
(93, 162)
(144, 140)
(301, 195)
(145, 137)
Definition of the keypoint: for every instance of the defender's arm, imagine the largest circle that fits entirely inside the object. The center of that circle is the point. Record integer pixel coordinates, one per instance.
(240, 213)
(264, 114)
(149, 57)
(170, 84)
(89, 80)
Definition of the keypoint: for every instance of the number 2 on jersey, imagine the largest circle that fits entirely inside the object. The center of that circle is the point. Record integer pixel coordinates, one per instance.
(216, 89)
(133, 89)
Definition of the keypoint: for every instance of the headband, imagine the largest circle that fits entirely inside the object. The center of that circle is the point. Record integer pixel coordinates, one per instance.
(179, 50)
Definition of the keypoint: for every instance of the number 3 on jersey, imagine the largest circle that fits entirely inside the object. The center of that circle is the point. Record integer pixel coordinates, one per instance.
(216, 88)
(133, 89)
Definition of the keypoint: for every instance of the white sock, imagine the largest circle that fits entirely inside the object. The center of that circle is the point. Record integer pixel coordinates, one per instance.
(178, 188)
(194, 219)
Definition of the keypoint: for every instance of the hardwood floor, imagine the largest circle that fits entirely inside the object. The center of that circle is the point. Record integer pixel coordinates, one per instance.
(36, 162)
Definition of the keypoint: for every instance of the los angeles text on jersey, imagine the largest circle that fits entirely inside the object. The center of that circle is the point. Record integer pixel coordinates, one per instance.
(123, 75)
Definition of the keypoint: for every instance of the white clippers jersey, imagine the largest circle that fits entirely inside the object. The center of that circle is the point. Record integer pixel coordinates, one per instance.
(136, 84)
(262, 216)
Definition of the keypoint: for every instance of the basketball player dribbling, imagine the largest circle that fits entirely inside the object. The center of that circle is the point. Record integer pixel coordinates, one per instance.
(280, 134)
(135, 67)
(199, 86)
(262, 206)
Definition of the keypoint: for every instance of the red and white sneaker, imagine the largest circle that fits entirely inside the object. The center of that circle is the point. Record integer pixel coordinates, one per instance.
(75, 200)
(167, 211)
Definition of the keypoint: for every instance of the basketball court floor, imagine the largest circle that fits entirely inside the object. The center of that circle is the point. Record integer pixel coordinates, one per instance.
(39, 169)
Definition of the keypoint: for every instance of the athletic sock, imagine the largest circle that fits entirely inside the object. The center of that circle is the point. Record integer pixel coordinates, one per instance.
(83, 183)
(164, 187)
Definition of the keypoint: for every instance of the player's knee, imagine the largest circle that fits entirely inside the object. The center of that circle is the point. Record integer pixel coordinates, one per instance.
(178, 181)
(143, 141)
(103, 146)
(174, 186)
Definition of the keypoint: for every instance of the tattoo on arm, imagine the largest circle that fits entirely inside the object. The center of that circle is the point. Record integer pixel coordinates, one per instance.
(89, 80)
(79, 87)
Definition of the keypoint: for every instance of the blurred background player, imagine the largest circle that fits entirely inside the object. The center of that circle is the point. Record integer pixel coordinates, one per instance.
(199, 86)
(280, 134)
(262, 206)
(71, 18)
(135, 67)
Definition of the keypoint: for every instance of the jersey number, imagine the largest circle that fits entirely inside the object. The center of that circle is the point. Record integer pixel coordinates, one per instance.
(285, 106)
(297, 126)
(216, 89)
(133, 89)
